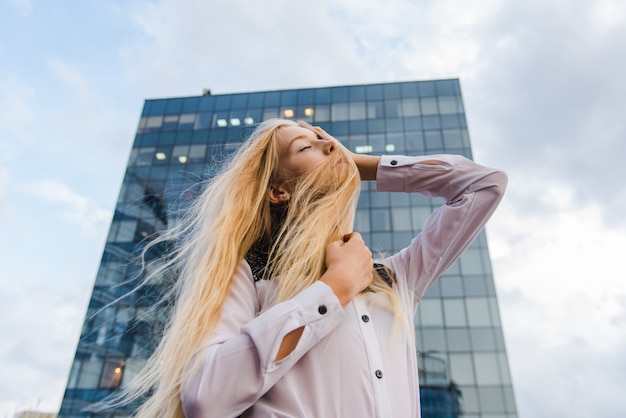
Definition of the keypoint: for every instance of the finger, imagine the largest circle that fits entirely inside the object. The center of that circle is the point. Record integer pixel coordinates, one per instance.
(353, 236)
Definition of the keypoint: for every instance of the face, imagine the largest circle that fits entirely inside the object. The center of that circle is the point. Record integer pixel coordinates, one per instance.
(302, 149)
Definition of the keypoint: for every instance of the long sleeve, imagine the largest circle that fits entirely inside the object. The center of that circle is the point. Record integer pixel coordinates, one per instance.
(238, 364)
(471, 192)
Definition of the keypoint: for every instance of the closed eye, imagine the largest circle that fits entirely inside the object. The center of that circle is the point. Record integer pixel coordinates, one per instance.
(306, 147)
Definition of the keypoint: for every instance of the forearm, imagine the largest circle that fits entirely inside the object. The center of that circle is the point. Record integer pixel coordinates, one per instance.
(367, 164)
(258, 352)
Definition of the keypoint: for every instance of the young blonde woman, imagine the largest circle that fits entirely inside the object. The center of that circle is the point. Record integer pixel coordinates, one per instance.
(281, 310)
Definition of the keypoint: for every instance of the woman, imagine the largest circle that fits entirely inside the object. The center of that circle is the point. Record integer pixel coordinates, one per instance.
(281, 311)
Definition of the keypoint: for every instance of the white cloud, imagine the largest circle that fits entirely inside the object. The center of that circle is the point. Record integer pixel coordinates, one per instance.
(78, 210)
(16, 114)
(40, 337)
(560, 281)
(246, 46)
(543, 87)
(24, 6)
(74, 79)
(4, 183)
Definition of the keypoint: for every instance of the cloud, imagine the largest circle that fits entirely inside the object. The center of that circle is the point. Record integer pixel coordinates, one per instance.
(74, 79)
(247, 46)
(23, 6)
(40, 338)
(78, 210)
(4, 183)
(16, 115)
(542, 83)
(548, 101)
(559, 272)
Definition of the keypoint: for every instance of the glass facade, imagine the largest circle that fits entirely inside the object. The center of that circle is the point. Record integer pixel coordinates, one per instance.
(181, 141)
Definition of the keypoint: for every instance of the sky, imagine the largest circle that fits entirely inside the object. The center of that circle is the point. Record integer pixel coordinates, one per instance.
(543, 84)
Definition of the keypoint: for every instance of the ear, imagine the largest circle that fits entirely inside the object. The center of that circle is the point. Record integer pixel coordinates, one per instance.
(278, 195)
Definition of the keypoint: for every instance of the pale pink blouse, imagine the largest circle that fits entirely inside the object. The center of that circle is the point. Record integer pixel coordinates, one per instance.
(352, 361)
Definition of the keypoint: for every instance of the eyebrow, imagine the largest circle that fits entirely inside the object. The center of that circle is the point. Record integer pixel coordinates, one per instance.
(296, 138)
(303, 136)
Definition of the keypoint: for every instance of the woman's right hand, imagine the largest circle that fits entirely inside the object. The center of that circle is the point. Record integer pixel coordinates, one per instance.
(349, 266)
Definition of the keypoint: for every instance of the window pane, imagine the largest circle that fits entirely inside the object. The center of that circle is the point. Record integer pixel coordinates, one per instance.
(461, 369)
(434, 340)
(430, 312)
(410, 107)
(471, 262)
(111, 373)
(420, 214)
(487, 371)
(491, 399)
(483, 339)
(322, 113)
(131, 369)
(362, 221)
(447, 105)
(478, 312)
(358, 110)
(454, 311)
(429, 106)
(89, 374)
(451, 285)
(339, 111)
(380, 220)
(401, 219)
(458, 339)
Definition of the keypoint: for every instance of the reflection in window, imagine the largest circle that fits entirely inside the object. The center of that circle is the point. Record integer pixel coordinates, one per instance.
(375, 110)
(458, 339)
(132, 368)
(454, 310)
(196, 153)
(170, 123)
(434, 340)
(362, 221)
(478, 312)
(430, 312)
(112, 373)
(409, 107)
(186, 121)
(89, 374)
(153, 123)
(449, 105)
(461, 369)
(401, 219)
(270, 113)
(357, 111)
(322, 113)
(180, 154)
(203, 120)
(339, 111)
(429, 105)
(471, 263)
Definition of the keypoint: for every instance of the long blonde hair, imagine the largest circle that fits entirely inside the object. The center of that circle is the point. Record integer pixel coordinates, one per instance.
(223, 224)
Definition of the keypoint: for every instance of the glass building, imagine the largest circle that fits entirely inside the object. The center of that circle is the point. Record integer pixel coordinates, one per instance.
(180, 141)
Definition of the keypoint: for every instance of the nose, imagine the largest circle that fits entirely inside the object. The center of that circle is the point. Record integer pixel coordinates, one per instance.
(329, 146)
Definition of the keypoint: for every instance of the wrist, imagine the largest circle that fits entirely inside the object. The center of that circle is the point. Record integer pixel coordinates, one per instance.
(334, 279)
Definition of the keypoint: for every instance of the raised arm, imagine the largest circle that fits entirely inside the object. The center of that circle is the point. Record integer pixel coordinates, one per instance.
(471, 192)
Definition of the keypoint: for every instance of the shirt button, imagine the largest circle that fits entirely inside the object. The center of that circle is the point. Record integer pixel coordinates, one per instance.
(379, 374)
(322, 309)
(365, 318)
(394, 162)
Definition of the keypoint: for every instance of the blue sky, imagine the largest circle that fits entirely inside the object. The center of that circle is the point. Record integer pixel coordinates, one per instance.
(544, 93)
